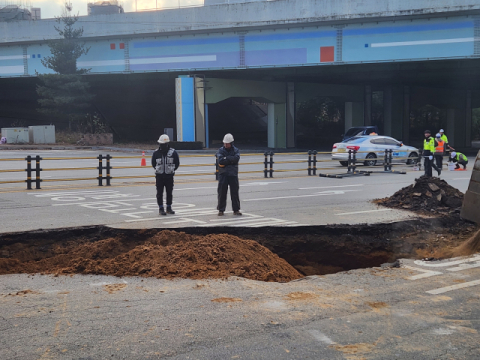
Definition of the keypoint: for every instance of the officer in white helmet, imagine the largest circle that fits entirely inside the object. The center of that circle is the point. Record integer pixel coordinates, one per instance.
(228, 157)
(165, 161)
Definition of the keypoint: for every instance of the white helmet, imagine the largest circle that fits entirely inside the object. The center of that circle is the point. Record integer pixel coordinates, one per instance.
(228, 138)
(163, 139)
(438, 135)
(442, 131)
(453, 154)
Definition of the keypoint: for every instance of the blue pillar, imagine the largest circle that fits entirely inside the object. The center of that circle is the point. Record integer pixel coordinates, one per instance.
(185, 104)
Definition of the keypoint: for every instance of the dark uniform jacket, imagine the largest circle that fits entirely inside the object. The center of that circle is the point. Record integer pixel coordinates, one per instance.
(165, 164)
(228, 161)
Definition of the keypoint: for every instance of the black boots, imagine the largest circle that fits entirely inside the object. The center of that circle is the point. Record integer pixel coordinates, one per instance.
(169, 210)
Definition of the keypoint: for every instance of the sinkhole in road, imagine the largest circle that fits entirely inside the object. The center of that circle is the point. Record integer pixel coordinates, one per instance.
(266, 254)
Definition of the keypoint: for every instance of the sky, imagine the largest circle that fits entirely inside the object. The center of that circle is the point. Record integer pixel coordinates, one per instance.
(52, 8)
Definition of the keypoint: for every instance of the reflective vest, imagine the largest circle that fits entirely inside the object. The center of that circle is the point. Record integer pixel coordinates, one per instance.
(439, 150)
(429, 145)
(461, 157)
(444, 138)
(167, 167)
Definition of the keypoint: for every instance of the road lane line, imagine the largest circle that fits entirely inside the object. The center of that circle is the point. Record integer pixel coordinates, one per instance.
(448, 263)
(324, 193)
(426, 273)
(321, 337)
(363, 212)
(454, 287)
(328, 187)
(462, 267)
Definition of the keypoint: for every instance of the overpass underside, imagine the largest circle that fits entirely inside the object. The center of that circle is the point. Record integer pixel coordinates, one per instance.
(296, 107)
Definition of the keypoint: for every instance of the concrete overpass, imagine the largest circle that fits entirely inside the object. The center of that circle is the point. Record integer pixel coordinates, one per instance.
(284, 53)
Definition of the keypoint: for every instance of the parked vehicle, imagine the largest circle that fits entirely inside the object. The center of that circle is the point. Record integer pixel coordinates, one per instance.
(359, 131)
(371, 149)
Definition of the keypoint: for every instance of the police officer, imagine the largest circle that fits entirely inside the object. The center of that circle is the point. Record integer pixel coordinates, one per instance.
(459, 158)
(165, 161)
(228, 157)
(428, 151)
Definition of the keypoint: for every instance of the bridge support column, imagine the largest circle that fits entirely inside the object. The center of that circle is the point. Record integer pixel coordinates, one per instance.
(468, 119)
(277, 126)
(392, 106)
(368, 105)
(190, 104)
(450, 126)
(353, 114)
(406, 114)
(290, 120)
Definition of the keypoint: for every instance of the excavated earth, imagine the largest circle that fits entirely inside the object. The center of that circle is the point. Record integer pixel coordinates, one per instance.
(265, 254)
(428, 195)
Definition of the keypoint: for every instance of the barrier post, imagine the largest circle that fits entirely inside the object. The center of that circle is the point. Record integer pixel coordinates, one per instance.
(309, 162)
(385, 160)
(265, 171)
(100, 170)
(37, 172)
(349, 162)
(390, 160)
(271, 163)
(108, 157)
(315, 162)
(29, 172)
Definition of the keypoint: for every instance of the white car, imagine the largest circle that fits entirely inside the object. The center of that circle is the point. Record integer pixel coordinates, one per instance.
(371, 149)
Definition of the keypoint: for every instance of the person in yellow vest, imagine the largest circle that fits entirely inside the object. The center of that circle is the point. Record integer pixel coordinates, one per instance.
(428, 151)
(459, 158)
(439, 150)
(445, 140)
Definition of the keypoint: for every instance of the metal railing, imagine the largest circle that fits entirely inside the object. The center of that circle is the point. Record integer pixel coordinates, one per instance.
(272, 163)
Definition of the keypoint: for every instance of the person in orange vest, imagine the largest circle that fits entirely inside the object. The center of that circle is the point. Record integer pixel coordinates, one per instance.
(439, 150)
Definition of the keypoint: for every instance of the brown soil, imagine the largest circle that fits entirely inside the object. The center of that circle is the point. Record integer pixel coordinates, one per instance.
(426, 196)
(469, 247)
(226, 300)
(164, 254)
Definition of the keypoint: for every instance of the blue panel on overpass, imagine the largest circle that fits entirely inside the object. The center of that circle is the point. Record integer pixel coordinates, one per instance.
(414, 40)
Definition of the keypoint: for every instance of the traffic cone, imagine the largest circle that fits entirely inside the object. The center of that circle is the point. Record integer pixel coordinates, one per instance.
(144, 162)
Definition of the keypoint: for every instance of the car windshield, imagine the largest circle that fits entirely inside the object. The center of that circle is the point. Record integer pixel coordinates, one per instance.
(355, 140)
(354, 131)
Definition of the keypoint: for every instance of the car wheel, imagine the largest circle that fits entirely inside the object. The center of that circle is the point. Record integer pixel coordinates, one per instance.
(344, 163)
(412, 158)
(370, 162)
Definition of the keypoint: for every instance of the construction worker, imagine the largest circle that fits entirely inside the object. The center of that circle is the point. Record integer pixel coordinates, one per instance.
(439, 150)
(165, 161)
(445, 139)
(428, 151)
(228, 157)
(459, 158)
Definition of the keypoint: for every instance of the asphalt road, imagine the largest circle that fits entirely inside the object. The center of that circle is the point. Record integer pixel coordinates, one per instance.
(419, 311)
(414, 312)
(287, 199)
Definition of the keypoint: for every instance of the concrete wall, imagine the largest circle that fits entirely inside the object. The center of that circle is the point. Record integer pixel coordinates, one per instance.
(235, 16)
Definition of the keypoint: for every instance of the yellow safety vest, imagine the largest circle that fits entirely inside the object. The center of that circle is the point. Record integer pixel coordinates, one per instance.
(464, 158)
(444, 138)
(429, 145)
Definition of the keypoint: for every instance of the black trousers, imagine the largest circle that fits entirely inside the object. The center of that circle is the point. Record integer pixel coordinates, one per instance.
(428, 166)
(461, 162)
(223, 183)
(167, 183)
(439, 161)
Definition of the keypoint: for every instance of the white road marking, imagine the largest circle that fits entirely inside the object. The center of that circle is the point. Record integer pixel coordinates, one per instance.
(323, 193)
(199, 188)
(426, 273)
(454, 287)
(210, 212)
(363, 212)
(462, 267)
(328, 187)
(184, 220)
(317, 335)
(448, 263)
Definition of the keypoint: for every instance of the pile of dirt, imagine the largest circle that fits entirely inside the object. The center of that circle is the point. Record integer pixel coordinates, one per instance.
(469, 247)
(165, 254)
(428, 195)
